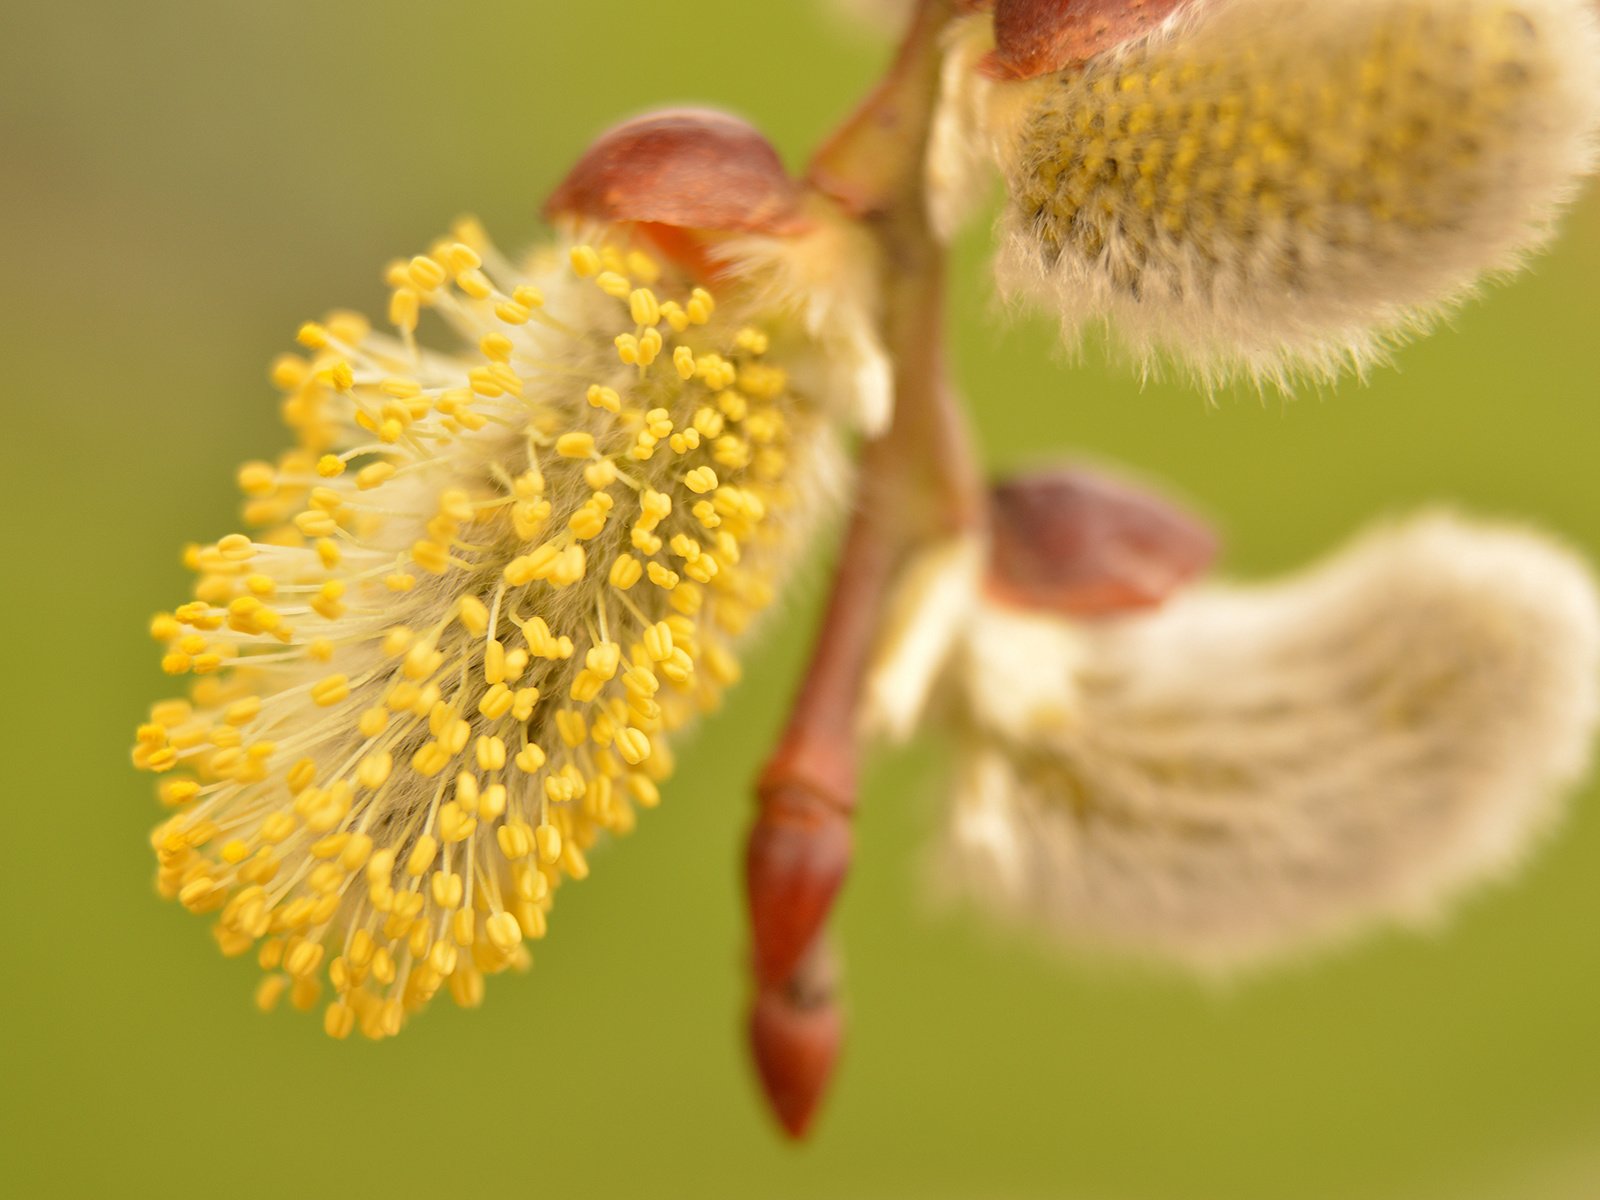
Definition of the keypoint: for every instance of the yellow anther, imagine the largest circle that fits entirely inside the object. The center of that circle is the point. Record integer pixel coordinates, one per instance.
(627, 349)
(642, 265)
(708, 422)
(604, 659)
(672, 312)
(374, 769)
(349, 327)
(643, 540)
(585, 261)
(657, 506)
(312, 336)
(702, 570)
(289, 372)
(701, 480)
(404, 308)
(572, 727)
(474, 615)
(515, 840)
(334, 689)
(339, 375)
(490, 753)
(683, 360)
(644, 307)
(422, 855)
(700, 307)
(431, 557)
(640, 681)
(657, 641)
(338, 1020)
(586, 685)
(327, 500)
(678, 667)
(461, 258)
(604, 397)
(577, 444)
(178, 792)
(548, 840)
(430, 759)
(530, 758)
(650, 346)
(374, 474)
(661, 577)
(494, 662)
(236, 547)
(613, 284)
(270, 990)
(316, 524)
(570, 566)
(455, 824)
(496, 346)
(421, 661)
(625, 572)
(425, 273)
(633, 745)
(503, 931)
(496, 702)
(588, 522)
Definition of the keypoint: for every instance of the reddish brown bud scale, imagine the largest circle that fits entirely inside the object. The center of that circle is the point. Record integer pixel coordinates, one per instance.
(795, 1038)
(795, 862)
(1038, 37)
(685, 169)
(1075, 542)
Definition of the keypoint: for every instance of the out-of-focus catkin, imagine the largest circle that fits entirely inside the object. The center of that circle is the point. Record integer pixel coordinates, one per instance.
(1273, 188)
(1251, 771)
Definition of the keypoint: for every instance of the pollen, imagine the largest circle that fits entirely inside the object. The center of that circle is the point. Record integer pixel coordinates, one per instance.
(474, 601)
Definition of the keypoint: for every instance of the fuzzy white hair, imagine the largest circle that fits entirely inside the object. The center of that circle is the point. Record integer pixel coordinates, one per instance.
(827, 280)
(1252, 771)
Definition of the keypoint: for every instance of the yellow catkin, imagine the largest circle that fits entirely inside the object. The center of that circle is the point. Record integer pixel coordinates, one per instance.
(432, 678)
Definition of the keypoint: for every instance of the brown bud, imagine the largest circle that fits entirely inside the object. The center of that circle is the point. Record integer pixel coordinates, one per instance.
(1072, 541)
(1038, 37)
(796, 860)
(795, 1035)
(684, 169)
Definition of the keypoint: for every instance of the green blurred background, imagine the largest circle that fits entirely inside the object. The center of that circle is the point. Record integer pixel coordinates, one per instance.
(183, 183)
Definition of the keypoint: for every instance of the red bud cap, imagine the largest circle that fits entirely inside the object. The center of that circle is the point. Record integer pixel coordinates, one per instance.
(795, 1041)
(685, 169)
(1075, 542)
(1040, 37)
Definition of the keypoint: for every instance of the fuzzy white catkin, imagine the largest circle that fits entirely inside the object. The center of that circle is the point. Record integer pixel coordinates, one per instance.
(1250, 772)
(1281, 188)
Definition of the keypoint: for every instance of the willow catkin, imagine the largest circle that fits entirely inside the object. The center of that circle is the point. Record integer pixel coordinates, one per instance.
(1252, 771)
(1275, 187)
